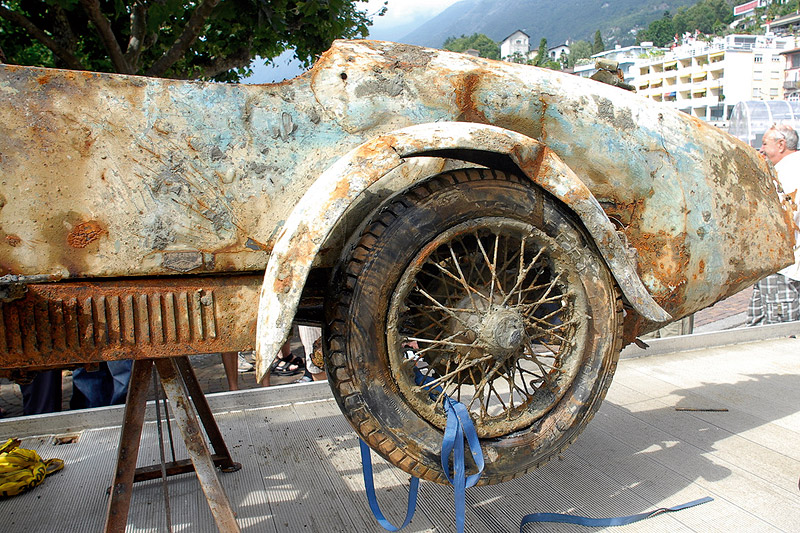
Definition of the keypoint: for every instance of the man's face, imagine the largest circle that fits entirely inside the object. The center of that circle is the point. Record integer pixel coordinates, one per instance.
(773, 147)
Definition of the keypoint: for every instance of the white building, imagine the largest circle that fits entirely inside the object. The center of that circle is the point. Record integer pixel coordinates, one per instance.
(627, 57)
(707, 79)
(518, 44)
(556, 52)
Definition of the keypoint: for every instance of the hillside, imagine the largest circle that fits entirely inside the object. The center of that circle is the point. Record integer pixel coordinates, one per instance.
(556, 20)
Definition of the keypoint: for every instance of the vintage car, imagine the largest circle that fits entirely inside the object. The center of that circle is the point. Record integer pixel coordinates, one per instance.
(458, 226)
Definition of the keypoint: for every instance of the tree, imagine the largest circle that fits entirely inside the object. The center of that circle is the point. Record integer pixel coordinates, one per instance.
(598, 45)
(578, 50)
(541, 54)
(660, 32)
(182, 39)
(477, 41)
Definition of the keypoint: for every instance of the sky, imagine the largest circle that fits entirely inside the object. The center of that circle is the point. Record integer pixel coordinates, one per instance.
(402, 17)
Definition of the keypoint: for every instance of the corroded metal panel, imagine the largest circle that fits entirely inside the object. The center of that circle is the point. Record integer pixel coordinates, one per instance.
(56, 324)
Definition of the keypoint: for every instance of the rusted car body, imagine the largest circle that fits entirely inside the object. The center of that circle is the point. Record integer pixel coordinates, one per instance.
(138, 216)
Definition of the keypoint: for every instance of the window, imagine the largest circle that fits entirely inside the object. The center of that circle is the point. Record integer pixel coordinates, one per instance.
(777, 59)
(758, 58)
(756, 92)
(775, 75)
(758, 75)
(773, 92)
(795, 60)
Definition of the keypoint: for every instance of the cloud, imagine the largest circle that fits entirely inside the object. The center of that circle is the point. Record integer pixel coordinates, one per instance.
(404, 12)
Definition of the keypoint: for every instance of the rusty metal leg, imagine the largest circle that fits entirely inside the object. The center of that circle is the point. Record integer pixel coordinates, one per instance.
(196, 446)
(128, 451)
(222, 456)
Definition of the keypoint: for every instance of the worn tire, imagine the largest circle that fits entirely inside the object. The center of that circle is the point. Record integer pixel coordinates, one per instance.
(554, 348)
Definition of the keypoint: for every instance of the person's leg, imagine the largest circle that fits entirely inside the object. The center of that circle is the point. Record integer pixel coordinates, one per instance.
(230, 362)
(285, 355)
(94, 388)
(43, 394)
(755, 309)
(120, 374)
(312, 344)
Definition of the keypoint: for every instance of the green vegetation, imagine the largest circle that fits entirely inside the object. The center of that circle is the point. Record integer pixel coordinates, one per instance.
(577, 51)
(707, 16)
(598, 45)
(183, 39)
(477, 41)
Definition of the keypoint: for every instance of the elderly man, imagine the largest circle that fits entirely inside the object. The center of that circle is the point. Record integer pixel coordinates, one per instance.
(776, 298)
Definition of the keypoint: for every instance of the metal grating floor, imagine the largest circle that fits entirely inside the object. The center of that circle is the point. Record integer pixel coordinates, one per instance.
(302, 473)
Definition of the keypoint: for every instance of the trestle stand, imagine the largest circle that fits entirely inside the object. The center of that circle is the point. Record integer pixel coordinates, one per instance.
(177, 377)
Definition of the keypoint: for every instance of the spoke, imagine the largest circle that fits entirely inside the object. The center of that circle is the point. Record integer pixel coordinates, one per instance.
(521, 275)
(547, 332)
(463, 280)
(435, 320)
(440, 342)
(443, 308)
(462, 283)
(460, 368)
(492, 265)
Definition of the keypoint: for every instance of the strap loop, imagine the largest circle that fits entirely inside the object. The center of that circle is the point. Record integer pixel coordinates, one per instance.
(366, 466)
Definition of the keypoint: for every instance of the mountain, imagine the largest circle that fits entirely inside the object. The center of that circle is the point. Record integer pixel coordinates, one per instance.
(556, 20)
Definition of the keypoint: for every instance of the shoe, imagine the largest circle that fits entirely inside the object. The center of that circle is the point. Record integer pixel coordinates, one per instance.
(304, 379)
(288, 367)
(244, 364)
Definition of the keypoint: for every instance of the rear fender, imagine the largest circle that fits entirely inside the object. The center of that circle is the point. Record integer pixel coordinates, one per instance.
(326, 201)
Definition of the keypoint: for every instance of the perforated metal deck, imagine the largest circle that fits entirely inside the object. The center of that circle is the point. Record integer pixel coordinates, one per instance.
(302, 473)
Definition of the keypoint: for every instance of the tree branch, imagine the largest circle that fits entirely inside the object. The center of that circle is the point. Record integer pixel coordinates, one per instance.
(92, 9)
(240, 58)
(136, 41)
(69, 59)
(182, 44)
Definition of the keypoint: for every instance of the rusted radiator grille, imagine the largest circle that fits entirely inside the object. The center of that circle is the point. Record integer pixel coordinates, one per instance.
(84, 322)
(94, 322)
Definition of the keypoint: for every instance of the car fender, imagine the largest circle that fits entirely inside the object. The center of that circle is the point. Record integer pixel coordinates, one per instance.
(326, 201)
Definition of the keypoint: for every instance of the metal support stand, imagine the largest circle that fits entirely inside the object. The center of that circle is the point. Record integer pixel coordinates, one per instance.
(177, 377)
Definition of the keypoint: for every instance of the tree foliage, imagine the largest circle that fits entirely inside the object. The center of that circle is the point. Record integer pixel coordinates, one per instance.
(541, 54)
(707, 16)
(598, 45)
(578, 50)
(477, 41)
(660, 32)
(183, 39)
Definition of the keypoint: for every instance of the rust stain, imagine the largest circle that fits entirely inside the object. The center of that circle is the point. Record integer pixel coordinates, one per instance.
(465, 89)
(13, 240)
(43, 79)
(85, 233)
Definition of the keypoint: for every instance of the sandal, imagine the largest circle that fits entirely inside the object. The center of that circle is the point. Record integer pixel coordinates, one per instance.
(287, 367)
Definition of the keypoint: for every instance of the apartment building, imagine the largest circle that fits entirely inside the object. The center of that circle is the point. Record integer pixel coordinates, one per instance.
(706, 79)
(628, 58)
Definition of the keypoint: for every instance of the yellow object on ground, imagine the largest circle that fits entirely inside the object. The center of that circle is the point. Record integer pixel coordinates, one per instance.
(22, 469)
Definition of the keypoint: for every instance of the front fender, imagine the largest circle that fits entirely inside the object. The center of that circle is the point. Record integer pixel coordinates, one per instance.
(318, 211)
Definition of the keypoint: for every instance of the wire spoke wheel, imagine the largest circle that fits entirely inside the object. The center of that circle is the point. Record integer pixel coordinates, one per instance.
(491, 313)
(480, 287)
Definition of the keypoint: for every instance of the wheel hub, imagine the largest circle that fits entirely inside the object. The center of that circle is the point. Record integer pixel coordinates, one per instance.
(503, 332)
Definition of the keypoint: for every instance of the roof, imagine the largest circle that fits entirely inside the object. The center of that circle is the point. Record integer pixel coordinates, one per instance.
(515, 31)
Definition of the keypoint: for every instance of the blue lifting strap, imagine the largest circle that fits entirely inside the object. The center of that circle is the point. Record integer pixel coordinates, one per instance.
(366, 467)
(460, 427)
(604, 522)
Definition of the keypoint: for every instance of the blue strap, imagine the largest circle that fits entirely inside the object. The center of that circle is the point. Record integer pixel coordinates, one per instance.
(459, 427)
(366, 466)
(604, 522)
